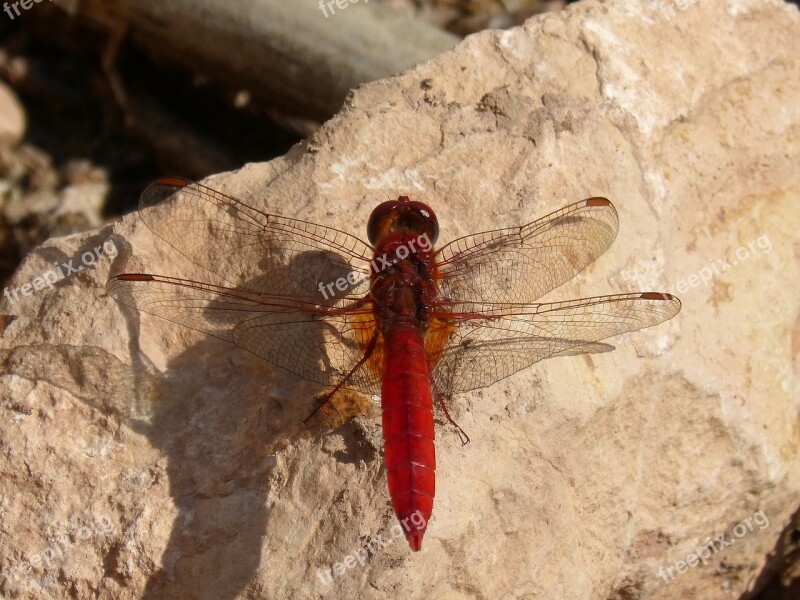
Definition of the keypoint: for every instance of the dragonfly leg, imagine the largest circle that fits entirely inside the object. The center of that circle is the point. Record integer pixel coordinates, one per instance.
(461, 433)
(326, 398)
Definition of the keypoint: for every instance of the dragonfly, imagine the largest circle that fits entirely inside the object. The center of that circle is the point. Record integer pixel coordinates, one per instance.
(393, 316)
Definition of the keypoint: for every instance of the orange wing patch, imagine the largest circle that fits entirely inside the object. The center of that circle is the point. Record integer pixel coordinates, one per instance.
(436, 338)
(343, 405)
(366, 326)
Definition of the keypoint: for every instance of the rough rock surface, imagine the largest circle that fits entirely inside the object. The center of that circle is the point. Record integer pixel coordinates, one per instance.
(143, 460)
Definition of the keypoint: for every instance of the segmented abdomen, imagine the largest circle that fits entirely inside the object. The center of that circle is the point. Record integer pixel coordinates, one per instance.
(408, 430)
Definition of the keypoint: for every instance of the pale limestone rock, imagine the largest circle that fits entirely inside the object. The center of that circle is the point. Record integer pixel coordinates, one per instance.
(12, 117)
(586, 475)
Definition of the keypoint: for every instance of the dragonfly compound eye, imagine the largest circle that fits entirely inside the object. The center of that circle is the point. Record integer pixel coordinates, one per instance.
(402, 214)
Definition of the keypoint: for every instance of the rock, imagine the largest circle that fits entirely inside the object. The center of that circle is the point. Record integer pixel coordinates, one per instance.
(85, 200)
(144, 460)
(12, 118)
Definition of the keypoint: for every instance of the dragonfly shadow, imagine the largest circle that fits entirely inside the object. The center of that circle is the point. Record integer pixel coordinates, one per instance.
(300, 346)
(219, 436)
(220, 415)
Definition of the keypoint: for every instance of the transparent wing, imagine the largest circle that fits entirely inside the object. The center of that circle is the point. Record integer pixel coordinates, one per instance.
(522, 264)
(248, 247)
(482, 343)
(319, 344)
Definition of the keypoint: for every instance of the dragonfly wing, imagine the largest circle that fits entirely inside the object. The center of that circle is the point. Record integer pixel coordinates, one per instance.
(488, 342)
(317, 343)
(246, 246)
(522, 264)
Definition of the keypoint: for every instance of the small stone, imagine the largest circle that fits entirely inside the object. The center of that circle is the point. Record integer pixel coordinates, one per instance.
(12, 117)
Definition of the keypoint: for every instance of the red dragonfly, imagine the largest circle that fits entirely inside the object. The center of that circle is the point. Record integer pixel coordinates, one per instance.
(393, 317)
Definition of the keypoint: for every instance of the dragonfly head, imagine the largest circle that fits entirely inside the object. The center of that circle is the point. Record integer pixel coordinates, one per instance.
(402, 214)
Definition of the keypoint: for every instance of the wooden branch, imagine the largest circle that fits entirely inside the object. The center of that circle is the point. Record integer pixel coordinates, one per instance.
(285, 52)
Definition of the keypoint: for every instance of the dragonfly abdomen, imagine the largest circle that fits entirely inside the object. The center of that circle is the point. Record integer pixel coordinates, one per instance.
(408, 431)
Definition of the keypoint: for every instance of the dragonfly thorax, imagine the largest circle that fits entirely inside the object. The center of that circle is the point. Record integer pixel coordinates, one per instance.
(404, 290)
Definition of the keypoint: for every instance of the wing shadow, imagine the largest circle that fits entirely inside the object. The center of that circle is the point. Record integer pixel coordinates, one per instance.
(220, 415)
